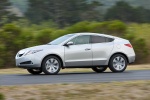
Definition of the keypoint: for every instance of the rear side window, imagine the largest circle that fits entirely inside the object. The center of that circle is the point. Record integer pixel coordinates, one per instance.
(101, 39)
(98, 39)
(109, 39)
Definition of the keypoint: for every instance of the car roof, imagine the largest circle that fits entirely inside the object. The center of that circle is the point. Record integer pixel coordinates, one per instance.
(100, 34)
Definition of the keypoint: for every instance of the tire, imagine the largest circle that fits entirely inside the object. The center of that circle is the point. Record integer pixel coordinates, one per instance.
(99, 69)
(34, 71)
(118, 63)
(51, 65)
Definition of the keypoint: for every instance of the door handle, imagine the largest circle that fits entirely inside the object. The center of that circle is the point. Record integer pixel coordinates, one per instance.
(87, 49)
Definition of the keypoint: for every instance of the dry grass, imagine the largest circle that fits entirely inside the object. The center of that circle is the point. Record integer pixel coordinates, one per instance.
(137, 90)
(23, 71)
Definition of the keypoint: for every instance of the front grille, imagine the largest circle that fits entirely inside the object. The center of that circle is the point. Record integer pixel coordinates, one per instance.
(27, 62)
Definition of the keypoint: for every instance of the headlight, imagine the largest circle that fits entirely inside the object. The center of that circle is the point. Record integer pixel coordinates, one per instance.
(32, 52)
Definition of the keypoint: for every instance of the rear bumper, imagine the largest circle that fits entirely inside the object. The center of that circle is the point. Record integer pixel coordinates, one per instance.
(131, 59)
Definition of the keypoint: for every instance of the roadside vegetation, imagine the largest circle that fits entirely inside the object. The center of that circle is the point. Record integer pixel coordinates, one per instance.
(2, 97)
(131, 90)
(42, 23)
(16, 36)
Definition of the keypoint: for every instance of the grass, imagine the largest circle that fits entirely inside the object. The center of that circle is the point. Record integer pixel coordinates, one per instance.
(131, 90)
(24, 71)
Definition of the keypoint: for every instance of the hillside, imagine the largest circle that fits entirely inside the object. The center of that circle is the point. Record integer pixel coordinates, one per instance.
(144, 3)
(23, 4)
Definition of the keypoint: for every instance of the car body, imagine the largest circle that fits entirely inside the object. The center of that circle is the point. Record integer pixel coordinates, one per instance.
(78, 50)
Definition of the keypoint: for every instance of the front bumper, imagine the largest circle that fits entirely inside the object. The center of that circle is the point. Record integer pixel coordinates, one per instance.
(28, 61)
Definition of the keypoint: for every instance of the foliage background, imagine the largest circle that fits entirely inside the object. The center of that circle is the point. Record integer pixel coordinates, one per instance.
(20, 32)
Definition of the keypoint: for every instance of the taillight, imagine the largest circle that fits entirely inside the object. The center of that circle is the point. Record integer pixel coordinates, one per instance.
(128, 45)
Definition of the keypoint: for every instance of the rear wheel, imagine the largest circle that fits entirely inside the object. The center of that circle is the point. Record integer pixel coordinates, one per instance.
(34, 71)
(51, 65)
(99, 69)
(118, 63)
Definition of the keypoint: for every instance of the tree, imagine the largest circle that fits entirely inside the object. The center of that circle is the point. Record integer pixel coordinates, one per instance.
(142, 15)
(123, 11)
(62, 12)
(5, 15)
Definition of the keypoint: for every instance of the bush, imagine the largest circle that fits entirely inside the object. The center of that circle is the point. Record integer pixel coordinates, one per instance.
(44, 36)
(117, 27)
(141, 53)
(9, 46)
(14, 37)
(97, 27)
(108, 27)
(79, 27)
(59, 32)
(2, 97)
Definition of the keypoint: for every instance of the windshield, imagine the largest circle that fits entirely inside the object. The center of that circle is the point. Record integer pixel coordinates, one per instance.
(60, 39)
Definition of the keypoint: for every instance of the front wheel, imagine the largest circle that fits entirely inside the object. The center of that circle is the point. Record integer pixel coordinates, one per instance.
(99, 69)
(118, 63)
(34, 71)
(51, 65)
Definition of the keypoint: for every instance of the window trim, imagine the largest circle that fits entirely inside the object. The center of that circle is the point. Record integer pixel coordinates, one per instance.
(90, 41)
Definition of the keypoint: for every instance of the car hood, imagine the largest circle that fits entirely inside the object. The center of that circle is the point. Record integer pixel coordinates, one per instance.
(40, 47)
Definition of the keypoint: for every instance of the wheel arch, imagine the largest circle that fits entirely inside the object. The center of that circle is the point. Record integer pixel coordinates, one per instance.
(55, 56)
(121, 54)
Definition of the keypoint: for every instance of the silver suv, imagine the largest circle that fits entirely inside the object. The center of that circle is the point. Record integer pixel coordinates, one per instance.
(79, 50)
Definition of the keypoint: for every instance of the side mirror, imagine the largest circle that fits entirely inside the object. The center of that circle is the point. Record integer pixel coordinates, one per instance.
(69, 43)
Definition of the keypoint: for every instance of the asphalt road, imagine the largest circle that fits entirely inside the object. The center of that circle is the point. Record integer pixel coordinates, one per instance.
(86, 77)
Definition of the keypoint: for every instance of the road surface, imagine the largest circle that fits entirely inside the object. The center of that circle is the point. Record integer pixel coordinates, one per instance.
(85, 77)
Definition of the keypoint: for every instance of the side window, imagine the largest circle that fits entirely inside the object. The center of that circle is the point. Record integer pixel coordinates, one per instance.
(109, 39)
(84, 39)
(98, 39)
(73, 40)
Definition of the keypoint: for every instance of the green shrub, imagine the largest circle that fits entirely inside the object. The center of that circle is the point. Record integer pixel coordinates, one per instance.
(14, 37)
(108, 27)
(117, 27)
(60, 32)
(140, 47)
(79, 27)
(96, 27)
(2, 97)
(44, 36)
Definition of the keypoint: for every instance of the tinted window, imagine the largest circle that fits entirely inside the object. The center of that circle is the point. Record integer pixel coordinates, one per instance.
(109, 39)
(98, 39)
(84, 39)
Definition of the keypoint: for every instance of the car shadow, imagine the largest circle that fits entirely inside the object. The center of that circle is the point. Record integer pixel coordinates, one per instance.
(75, 73)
